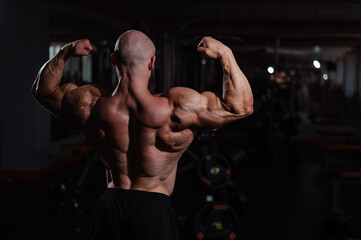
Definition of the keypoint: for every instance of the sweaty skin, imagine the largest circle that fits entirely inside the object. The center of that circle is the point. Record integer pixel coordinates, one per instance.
(139, 136)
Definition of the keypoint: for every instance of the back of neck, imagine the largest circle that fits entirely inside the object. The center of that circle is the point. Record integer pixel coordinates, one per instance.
(133, 85)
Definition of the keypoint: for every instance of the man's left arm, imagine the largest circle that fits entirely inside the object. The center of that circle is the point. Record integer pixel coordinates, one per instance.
(46, 87)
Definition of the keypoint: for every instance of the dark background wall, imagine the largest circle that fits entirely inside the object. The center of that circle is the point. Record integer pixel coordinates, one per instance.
(295, 161)
(25, 126)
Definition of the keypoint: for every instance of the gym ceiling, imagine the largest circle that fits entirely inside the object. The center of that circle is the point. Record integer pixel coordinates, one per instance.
(297, 26)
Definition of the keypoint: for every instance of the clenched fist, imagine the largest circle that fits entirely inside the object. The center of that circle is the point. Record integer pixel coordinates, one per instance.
(211, 47)
(80, 48)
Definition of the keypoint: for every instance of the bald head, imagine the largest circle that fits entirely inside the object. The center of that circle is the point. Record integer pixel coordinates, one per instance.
(134, 49)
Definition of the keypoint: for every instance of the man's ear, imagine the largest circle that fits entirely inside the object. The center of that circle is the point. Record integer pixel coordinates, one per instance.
(112, 58)
(151, 63)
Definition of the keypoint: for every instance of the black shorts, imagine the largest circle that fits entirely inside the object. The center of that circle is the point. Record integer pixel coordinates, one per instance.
(129, 214)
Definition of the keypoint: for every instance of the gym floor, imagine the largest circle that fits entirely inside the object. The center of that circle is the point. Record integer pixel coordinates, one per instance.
(288, 195)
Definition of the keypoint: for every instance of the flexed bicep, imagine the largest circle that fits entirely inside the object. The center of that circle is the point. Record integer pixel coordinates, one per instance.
(52, 99)
(215, 113)
(203, 111)
(47, 87)
(237, 98)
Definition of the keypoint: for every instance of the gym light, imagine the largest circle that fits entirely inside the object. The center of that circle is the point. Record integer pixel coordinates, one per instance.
(270, 70)
(317, 49)
(316, 64)
(325, 76)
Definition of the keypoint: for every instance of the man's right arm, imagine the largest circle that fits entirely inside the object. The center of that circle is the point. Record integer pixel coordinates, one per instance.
(208, 110)
(65, 100)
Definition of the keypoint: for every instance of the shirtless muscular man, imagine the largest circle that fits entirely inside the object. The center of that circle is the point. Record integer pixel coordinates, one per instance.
(140, 136)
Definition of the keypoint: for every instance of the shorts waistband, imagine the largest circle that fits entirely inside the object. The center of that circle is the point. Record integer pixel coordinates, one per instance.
(136, 194)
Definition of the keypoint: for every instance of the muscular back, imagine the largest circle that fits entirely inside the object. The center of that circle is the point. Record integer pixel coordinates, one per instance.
(140, 136)
(140, 141)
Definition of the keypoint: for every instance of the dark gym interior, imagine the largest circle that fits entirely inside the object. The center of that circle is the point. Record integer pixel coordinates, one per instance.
(291, 170)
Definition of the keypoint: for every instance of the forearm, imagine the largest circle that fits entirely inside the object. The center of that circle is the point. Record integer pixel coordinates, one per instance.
(46, 87)
(49, 76)
(237, 94)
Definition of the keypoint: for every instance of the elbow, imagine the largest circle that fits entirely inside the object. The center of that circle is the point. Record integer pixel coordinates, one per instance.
(249, 110)
(37, 91)
(248, 106)
(244, 109)
(33, 90)
(241, 107)
(35, 87)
